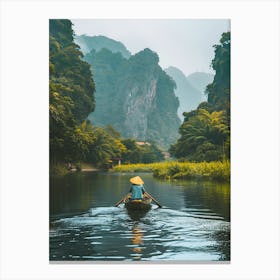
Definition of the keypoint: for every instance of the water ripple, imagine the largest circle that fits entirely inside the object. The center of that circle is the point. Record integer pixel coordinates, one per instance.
(161, 234)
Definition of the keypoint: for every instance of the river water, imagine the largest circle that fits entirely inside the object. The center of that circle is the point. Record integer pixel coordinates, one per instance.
(192, 225)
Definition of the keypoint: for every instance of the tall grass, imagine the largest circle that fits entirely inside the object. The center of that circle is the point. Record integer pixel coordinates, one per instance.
(138, 167)
(216, 170)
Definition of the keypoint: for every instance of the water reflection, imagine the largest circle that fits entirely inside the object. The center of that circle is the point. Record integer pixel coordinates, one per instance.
(193, 224)
(136, 215)
(222, 238)
(137, 232)
(136, 240)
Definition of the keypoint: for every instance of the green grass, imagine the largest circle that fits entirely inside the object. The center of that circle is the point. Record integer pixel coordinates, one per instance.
(217, 170)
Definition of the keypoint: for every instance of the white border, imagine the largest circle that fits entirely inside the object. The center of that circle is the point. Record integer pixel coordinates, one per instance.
(24, 138)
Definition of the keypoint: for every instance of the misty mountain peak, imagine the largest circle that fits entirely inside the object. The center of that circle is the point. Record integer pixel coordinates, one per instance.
(87, 43)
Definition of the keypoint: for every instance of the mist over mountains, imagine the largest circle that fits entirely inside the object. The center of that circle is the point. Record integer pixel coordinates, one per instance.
(190, 89)
(200, 80)
(135, 95)
(87, 43)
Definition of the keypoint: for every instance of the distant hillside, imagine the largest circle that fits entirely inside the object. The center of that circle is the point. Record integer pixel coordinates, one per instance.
(200, 80)
(189, 97)
(87, 43)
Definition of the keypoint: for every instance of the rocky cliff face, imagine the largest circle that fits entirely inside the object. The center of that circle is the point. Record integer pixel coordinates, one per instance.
(137, 106)
(135, 96)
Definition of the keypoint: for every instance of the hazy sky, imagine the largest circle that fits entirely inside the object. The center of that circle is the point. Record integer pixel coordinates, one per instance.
(183, 43)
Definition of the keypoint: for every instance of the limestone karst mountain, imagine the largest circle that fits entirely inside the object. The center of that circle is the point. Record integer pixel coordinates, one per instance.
(134, 95)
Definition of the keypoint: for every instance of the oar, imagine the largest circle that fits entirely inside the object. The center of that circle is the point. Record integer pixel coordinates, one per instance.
(118, 203)
(156, 202)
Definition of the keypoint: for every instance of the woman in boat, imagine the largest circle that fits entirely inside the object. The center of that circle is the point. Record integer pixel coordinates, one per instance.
(137, 189)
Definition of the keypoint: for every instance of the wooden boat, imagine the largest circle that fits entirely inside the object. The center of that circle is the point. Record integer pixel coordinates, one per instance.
(140, 205)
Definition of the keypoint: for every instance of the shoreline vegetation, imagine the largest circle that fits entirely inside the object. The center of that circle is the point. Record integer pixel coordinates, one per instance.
(203, 139)
(216, 170)
(60, 169)
(171, 170)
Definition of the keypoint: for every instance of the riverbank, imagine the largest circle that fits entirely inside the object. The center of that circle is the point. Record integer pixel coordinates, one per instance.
(84, 167)
(62, 169)
(219, 171)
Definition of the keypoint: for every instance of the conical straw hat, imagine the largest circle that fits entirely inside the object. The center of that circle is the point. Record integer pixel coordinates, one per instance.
(136, 180)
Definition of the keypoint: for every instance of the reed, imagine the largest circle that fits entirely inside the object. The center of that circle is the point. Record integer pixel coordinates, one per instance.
(217, 170)
(138, 167)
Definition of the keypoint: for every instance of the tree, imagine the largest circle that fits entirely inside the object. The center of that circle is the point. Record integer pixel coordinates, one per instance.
(203, 137)
(219, 90)
(71, 94)
(135, 153)
(62, 124)
(205, 132)
(69, 70)
(104, 148)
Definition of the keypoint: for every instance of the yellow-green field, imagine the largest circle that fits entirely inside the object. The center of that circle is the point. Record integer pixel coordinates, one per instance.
(181, 170)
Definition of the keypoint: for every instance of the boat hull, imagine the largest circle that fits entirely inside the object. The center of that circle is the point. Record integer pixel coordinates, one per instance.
(139, 205)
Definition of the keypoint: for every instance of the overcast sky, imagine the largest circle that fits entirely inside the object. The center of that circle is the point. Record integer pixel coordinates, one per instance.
(183, 43)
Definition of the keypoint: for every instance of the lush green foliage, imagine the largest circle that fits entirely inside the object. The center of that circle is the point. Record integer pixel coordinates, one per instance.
(107, 148)
(71, 94)
(219, 171)
(101, 146)
(219, 91)
(144, 154)
(72, 138)
(204, 136)
(70, 75)
(205, 133)
(58, 169)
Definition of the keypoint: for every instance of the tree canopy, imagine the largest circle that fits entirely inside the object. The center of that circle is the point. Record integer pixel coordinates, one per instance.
(219, 91)
(71, 87)
(71, 90)
(205, 132)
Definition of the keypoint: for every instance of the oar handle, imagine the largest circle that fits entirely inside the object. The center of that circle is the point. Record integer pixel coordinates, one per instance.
(155, 201)
(119, 202)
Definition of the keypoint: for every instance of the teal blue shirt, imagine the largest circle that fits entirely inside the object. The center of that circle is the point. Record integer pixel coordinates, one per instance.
(137, 191)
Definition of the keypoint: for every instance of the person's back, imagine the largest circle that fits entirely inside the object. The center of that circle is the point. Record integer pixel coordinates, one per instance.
(137, 189)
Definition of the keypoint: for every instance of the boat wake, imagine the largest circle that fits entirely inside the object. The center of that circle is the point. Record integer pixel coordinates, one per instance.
(161, 233)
